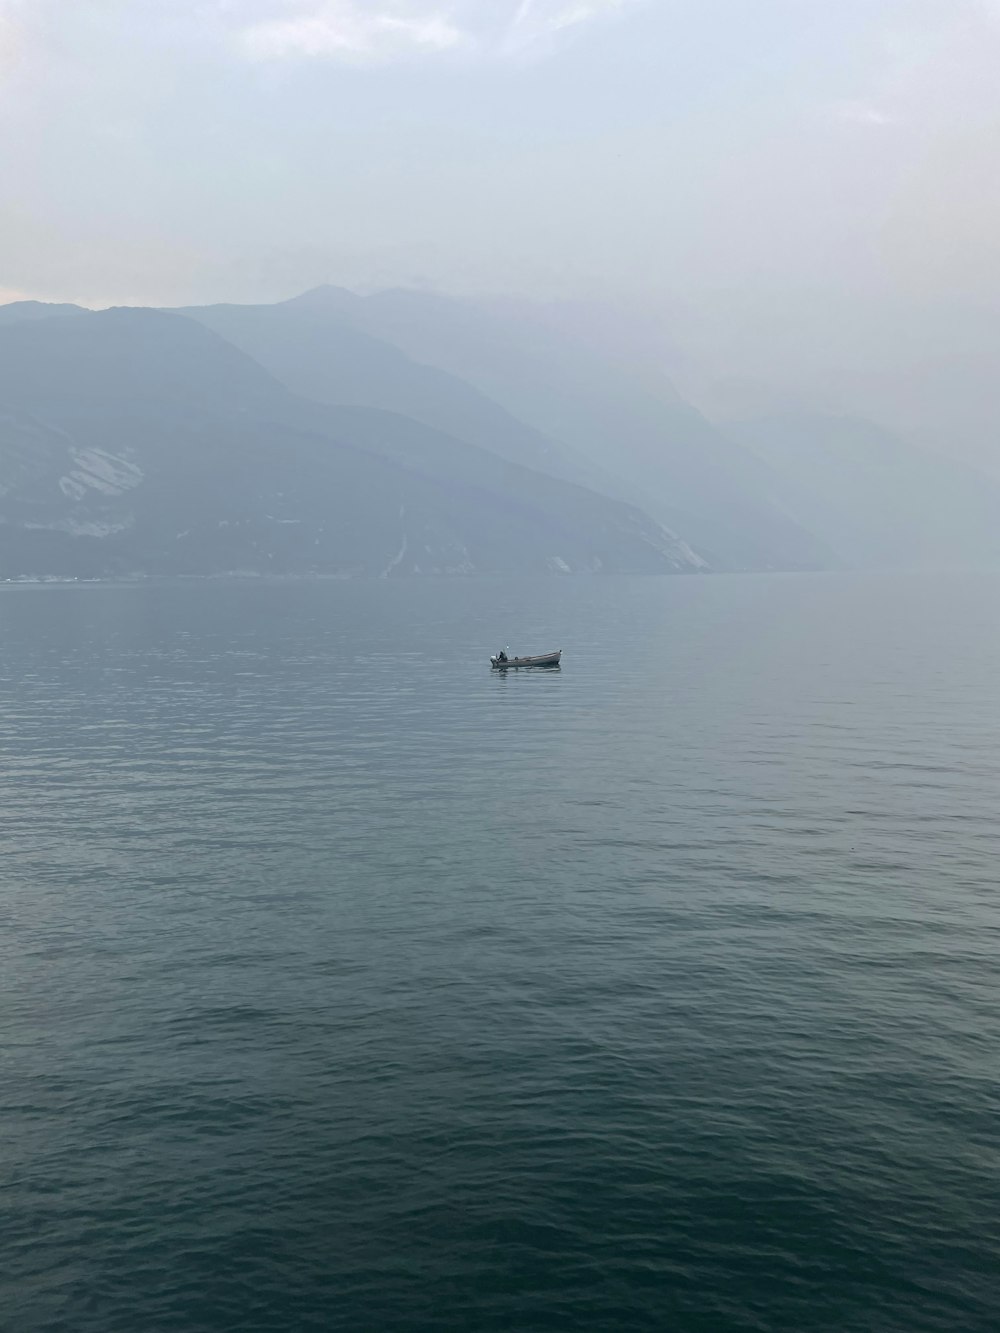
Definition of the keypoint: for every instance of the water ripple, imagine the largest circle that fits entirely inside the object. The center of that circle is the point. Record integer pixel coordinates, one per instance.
(351, 988)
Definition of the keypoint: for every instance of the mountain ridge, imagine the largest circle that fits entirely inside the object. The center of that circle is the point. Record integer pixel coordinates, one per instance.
(662, 452)
(581, 462)
(133, 441)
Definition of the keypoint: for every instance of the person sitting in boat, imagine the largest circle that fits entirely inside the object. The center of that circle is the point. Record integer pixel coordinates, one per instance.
(501, 656)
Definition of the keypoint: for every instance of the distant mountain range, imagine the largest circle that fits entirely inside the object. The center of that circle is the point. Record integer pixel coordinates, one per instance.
(577, 416)
(405, 434)
(138, 442)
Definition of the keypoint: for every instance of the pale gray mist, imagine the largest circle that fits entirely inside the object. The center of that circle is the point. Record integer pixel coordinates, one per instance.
(788, 203)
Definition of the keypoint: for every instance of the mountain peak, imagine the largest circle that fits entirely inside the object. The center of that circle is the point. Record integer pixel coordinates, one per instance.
(324, 297)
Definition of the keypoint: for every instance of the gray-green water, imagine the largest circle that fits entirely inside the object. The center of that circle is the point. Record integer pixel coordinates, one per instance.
(347, 986)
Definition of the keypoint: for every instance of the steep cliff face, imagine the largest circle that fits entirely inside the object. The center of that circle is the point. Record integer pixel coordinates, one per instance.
(138, 442)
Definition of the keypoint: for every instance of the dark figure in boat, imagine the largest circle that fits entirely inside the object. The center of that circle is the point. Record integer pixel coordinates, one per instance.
(501, 656)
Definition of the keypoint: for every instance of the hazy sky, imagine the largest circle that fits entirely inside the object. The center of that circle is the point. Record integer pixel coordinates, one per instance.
(807, 191)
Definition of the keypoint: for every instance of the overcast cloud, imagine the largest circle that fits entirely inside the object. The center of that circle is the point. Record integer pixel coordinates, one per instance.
(392, 30)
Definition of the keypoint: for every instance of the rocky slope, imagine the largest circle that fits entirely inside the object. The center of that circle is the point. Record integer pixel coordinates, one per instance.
(138, 442)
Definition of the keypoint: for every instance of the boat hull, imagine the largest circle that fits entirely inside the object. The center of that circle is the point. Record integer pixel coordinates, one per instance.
(525, 663)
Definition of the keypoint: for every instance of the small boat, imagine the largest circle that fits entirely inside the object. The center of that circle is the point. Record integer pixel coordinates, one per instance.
(504, 663)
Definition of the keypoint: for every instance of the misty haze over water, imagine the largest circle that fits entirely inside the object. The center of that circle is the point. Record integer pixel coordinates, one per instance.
(730, 264)
(350, 983)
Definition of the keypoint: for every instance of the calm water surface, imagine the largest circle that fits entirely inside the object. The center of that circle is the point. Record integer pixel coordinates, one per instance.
(346, 986)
